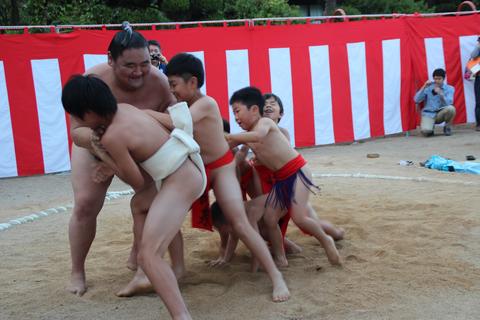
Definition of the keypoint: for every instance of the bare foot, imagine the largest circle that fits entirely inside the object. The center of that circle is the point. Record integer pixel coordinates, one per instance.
(77, 284)
(280, 290)
(331, 251)
(291, 247)
(281, 261)
(139, 284)
(338, 234)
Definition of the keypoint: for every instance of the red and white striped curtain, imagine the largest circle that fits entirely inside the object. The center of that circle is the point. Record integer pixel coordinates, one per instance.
(339, 82)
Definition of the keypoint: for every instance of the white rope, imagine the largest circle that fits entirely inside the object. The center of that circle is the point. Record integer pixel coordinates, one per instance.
(62, 209)
(376, 176)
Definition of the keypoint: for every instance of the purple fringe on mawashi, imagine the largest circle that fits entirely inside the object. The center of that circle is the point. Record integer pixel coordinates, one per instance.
(283, 191)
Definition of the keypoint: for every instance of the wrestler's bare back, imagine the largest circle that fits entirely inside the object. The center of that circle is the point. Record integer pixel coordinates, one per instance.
(208, 129)
(132, 135)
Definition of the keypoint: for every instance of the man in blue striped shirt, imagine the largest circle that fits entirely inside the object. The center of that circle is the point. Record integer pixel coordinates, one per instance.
(438, 104)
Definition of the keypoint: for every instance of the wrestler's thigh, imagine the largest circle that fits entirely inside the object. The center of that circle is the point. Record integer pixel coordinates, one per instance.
(227, 193)
(84, 188)
(169, 208)
(302, 193)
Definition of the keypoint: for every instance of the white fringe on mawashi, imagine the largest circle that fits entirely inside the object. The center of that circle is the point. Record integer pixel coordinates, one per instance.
(37, 215)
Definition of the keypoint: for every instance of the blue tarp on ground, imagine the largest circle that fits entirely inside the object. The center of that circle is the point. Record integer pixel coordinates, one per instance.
(442, 164)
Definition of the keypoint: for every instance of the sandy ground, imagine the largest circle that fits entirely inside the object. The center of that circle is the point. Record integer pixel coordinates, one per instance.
(412, 248)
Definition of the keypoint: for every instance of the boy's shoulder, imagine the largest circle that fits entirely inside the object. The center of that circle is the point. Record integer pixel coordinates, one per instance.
(205, 102)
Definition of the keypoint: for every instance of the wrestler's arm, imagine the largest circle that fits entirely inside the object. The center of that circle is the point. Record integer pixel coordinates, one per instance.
(81, 136)
(125, 167)
(168, 99)
(163, 118)
(231, 246)
(256, 135)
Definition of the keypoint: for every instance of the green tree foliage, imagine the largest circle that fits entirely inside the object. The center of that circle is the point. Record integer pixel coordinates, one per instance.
(244, 9)
(177, 10)
(383, 6)
(84, 12)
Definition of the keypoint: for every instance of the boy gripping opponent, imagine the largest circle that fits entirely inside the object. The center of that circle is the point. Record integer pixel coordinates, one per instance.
(186, 76)
(292, 177)
(127, 137)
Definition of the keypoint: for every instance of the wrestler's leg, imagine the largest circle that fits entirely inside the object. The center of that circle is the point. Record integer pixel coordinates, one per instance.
(301, 217)
(255, 209)
(88, 201)
(229, 197)
(271, 218)
(327, 226)
(164, 220)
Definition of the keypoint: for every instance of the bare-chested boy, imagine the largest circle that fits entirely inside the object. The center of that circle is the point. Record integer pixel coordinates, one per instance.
(139, 149)
(292, 176)
(135, 81)
(186, 77)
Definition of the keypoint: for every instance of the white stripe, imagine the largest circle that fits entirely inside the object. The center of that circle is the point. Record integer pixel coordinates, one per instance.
(281, 80)
(51, 117)
(200, 55)
(8, 162)
(392, 75)
(435, 56)
(357, 67)
(91, 60)
(322, 95)
(238, 77)
(467, 44)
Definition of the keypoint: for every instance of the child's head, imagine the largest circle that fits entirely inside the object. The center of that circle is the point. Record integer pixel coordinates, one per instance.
(129, 57)
(185, 75)
(88, 99)
(247, 105)
(218, 219)
(273, 107)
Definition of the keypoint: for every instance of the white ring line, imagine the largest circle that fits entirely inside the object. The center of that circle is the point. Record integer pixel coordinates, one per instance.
(44, 213)
(376, 176)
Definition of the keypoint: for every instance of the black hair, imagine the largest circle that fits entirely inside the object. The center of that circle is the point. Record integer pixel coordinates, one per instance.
(226, 126)
(249, 96)
(82, 94)
(218, 218)
(267, 96)
(154, 43)
(439, 73)
(126, 39)
(186, 65)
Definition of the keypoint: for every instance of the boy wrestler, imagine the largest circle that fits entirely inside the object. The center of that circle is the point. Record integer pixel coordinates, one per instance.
(186, 77)
(292, 177)
(128, 138)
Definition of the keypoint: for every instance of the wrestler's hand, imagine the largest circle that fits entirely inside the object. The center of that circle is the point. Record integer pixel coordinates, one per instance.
(95, 141)
(101, 172)
(232, 144)
(219, 263)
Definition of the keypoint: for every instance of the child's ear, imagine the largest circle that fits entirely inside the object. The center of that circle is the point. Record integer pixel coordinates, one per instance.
(110, 59)
(193, 81)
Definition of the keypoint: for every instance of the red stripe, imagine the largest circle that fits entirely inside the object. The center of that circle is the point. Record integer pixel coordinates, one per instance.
(302, 97)
(258, 61)
(24, 115)
(341, 96)
(374, 58)
(407, 89)
(216, 76)
(453, 65)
